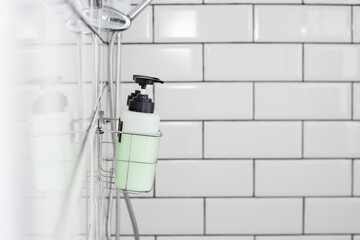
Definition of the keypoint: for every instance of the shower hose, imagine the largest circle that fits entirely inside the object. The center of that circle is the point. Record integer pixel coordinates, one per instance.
(112, 99)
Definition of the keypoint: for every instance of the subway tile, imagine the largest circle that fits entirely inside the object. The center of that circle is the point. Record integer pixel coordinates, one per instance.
(357, 177)
(252, 139)
(356, 22)
(168, 62)
(302, 101)
(203, 23)
(332, 1)
(180, 140)
(303, 237)
(170, 1)
(253, 1)
(332, 139)
(206, 238)
(253, 216)
(356, 101)
(330, 62)
(303, 178)
(176, 1)
(197, 101)
(204, 178)
(332, 215)
(131, 238)
(249, 62)
(165, 216)
(141, 28)
(302, 24)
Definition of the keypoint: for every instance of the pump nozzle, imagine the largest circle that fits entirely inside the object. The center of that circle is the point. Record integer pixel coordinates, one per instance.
(143, 81)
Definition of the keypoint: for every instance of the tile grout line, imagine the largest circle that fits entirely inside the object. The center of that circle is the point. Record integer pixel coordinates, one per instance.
(153, 24)
(203, 61)
(302, 139)
(203, 140)
(303, 216)
(352, 24)
(254, 100)
(253, 23)
(352, 101)
(254, 177)
(303, 63)
(352, 176)
(204, 209)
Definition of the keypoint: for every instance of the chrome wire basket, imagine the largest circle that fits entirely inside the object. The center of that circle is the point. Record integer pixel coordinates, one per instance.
(133, 168)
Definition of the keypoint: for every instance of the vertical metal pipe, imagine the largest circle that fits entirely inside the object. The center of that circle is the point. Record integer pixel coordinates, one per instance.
(117, 115)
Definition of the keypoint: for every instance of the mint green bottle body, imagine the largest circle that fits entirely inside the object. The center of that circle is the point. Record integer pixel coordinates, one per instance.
(136, 154)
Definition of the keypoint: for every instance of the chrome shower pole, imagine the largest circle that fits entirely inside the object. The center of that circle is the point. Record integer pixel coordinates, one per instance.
(117, 115)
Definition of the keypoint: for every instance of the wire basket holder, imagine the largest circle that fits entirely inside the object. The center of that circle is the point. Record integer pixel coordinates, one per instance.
(133, 168)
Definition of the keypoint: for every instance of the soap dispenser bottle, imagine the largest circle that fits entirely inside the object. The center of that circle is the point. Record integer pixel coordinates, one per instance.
(138, 142)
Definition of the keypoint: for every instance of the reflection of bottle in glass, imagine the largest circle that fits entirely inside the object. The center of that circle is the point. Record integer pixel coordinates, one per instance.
(136, 155)
(52, 151)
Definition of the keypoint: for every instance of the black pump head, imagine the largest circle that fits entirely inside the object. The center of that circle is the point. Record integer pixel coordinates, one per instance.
(139, 101)
(143, 81)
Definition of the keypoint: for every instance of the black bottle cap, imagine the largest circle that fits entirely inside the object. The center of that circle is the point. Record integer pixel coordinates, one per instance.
(141, 102)
(131, 96)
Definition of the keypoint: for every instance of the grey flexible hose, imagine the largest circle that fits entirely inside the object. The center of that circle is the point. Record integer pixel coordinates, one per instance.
(113, 127)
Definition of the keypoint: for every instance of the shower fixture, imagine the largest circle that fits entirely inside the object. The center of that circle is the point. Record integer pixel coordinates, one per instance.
(107, 24)
(100, 16)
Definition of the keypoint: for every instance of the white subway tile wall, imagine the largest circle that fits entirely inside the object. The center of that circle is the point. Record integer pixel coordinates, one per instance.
(260, 115)
(181, 140)
(303, 178)
(302, 24)
(178, 62)
(356, 177)
(332, 139)
(304, 238)
(356, 20)
(197, 101)
(303, 101)
(275, 62)
(141, 28)
(332, 1)
(356, 96)
(332, 215)
(254, 216)
(331, 62)
(252, 139)
(203, 23)
(196, 178)
(207, 238)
